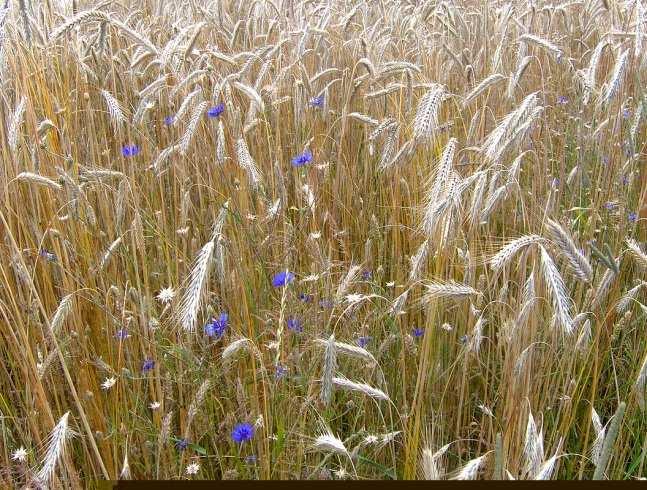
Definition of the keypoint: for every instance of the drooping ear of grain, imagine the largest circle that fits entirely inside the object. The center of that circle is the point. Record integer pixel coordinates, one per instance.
(609, 441)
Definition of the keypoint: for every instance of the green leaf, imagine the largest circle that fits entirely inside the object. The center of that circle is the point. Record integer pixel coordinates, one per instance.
(602, 257)
(388, 472)
(198, 449)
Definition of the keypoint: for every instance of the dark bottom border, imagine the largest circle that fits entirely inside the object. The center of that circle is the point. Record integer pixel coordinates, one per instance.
(418, 485)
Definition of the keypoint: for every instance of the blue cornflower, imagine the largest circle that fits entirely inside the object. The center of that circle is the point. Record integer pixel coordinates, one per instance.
(295, 325)
(181, 444)
(215, 111)
(562, 100)
(242, 432)
(633, 217)
(130, 150)
(282, 279)
(168, 120)
(326, 303)
(280, 372)
(217, 326)
(625, 180)
(122, 334)
(317, 101)
(306, 298)
(363, 341)
(418, 332)
(626, 112)
(303, 159)
(367, 275)
(148, 365)
(609, 205)
(47, 255)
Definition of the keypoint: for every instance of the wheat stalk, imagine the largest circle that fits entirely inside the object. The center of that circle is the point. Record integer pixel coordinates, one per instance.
(628, 297)
(636, 252)
(471, 468)
(600, 431)
(191, 128)
(485, 84)
(114, 108)
(196, 282)
(345, 283)
(106, 256)
(38, 180)
(426, 120)
(613, 85)
(436, 290)
(546, 470)
(56, 449)
(330, 443)
(557, 289)
(431, 467)
(590, 74)
(195, 405)
(533, 447)
(349, 350)
(505, 255)
(15, 123)
(246, 161)
(544, 43)
(641, 384)
(347, 384)
(61, 313)
(609, 441)
(234, 348)
(579, 264)
(329, 367)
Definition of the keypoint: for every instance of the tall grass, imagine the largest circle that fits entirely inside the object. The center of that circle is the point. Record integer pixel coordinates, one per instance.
(393, 240)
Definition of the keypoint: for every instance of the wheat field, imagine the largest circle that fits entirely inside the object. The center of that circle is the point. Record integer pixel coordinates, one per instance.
(336, 239)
